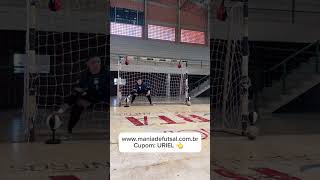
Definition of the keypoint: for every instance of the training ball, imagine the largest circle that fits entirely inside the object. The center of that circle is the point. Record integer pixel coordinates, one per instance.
(54, 121)
(126, 102)
(188, 101)
(253, 117)
(55, 5)
(252, 132)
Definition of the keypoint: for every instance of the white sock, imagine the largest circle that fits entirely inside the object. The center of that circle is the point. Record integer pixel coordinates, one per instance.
(60, 111)
(63, 108)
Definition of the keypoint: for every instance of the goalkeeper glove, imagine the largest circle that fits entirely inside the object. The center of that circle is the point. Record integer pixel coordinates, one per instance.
(80, 91)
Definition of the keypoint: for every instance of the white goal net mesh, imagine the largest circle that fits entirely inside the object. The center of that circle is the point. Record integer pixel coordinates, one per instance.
(226, 58)
(167, 80)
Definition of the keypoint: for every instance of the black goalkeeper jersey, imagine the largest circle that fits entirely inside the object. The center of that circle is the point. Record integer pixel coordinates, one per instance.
(141, 89)
(95, 84)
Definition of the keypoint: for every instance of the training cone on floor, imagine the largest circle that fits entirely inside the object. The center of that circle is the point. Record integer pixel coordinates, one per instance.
(127, 102)
(53, 122)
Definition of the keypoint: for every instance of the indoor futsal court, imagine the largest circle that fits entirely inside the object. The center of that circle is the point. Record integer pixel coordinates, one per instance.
(162, 118)
(177, 76)
(78, 73)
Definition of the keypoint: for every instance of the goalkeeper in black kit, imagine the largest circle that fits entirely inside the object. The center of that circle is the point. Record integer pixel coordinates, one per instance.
(91, 89)
(141, 88)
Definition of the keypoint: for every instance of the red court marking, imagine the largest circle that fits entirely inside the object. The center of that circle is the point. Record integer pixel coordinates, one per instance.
(204, 130)
(228, 174)
(185, 118)
(204, 133)
(136, 121)
(63, 178)
(275, 174)
(202, 119)
(145, 119)
(168, 120)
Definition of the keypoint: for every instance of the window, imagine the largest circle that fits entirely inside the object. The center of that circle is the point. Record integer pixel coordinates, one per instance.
(161, 32)
(127, 16)
(196, 37)
(126, 29)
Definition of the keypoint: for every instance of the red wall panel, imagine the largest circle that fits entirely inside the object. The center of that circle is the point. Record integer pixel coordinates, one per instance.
(195, 37)
(193, 21)
(167, 2)
(192, 16)
(125, 29)
(161, 32)
(129, 4)
(162, 14)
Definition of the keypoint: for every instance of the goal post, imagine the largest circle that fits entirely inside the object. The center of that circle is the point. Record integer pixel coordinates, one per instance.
(28, 97)
(229, 67)
(168, 79)
(58, 44)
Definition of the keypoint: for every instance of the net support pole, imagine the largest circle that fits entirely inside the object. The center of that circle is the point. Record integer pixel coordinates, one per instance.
(186, 83)
(244, 69)
(145, 29)
(181, 84)
(178, 25)
(208, 23)
(30, 51)
(168, 85)
(118, 82)
(226, 75)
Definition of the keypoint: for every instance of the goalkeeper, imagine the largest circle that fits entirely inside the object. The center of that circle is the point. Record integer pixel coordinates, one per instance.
(92, 88)
(141, 88)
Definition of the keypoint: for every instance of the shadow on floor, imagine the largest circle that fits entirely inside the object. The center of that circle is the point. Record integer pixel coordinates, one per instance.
(301, 123)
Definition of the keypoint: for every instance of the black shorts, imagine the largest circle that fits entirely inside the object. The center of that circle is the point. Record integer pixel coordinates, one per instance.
(139, 92)
(90, 97)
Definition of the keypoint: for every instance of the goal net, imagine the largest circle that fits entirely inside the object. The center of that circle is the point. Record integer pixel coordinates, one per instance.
(226, 54)
(58, 45)
(167, 79)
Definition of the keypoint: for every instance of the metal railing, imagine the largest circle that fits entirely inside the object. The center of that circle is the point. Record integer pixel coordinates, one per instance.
(197, 84)
(202, 64)
(292, 62)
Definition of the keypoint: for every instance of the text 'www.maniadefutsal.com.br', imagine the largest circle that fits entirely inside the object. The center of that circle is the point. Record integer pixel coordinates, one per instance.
(160, 142)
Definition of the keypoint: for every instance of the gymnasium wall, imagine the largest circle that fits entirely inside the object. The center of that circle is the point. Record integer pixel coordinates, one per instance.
(155, 48)
(275, 21)
(74, 17)
(164, 12)
(268, 20)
